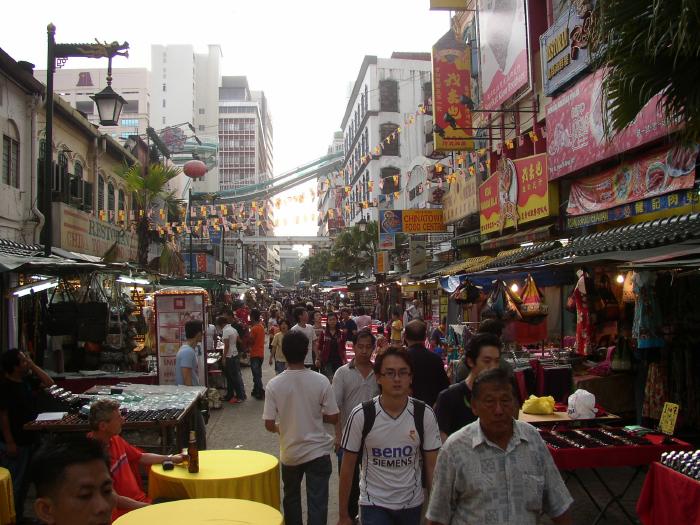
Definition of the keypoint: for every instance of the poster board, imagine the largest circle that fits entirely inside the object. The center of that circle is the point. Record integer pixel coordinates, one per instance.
(173, 308)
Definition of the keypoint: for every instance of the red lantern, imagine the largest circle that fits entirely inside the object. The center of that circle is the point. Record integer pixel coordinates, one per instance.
(195, 169)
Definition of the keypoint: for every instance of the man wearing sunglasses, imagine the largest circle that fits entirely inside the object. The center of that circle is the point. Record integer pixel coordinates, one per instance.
(396, 440)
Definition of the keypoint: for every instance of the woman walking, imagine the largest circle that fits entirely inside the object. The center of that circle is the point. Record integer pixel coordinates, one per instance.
(331, 347)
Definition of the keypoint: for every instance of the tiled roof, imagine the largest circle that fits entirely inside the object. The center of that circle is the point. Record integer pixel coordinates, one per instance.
(640, 236)
(19, 249)
(522, 254)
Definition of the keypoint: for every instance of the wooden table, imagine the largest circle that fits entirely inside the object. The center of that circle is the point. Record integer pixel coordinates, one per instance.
(562, 417)
(75, 423)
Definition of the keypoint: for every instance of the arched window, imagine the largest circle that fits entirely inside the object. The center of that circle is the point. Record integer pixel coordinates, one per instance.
(100, 193)
(391, 146)
(121, 206)
(388, 95)
(76, 184)
(10, 156)
(60, 182)
(110, 202)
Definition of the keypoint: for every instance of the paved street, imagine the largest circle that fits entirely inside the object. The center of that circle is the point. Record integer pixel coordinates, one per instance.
(240, 426)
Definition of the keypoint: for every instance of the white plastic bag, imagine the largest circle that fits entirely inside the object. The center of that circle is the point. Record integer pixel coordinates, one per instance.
(581, 405)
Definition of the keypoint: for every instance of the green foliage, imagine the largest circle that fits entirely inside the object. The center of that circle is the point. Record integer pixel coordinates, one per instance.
(649, 47)
(353, 250)
(316, 267)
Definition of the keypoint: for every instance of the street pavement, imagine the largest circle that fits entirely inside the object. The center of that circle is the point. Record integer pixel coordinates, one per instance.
(241, 426)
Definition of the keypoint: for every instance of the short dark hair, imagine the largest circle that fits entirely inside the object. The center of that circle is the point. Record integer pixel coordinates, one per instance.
(491, 326)
(10, 360)
(222, 320)
(298, 312)
(365, 333)
(295, 346)
(361, 311)
(255, 315)
(496, 376)
(281, 322)
(397, 352)
(395, 311)
(192, 328)
(416, 330)
(49, 464)
(479, 341)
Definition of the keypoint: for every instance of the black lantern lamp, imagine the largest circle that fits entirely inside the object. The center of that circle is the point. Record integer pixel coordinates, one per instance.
(362, 224)
(109, 103)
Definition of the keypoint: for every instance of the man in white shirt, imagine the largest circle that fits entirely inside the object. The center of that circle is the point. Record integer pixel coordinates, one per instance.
(396, 452)
(353, 384)
(362, 320)
(297, 404)
(235, 391)
(301, 316)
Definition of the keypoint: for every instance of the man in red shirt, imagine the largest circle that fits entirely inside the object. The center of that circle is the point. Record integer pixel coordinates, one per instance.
(124, 459)
(257, 353)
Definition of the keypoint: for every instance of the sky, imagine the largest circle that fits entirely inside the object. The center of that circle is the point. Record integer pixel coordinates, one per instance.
(305, 54)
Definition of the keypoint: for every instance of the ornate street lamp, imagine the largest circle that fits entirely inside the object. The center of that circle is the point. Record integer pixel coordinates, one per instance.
(109, 105)
(362, 224)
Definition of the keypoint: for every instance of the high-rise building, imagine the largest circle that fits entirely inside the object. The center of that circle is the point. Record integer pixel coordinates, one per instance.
(184, 103)
(331, 192)
(76, 86)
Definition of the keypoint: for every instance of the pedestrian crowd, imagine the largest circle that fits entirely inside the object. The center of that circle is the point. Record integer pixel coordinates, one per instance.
(409, 445)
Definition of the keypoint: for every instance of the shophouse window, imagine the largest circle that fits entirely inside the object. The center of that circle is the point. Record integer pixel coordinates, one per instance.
(388, 95)
(388, 184)
(389, 131)
(10, 159)
(110, 202)
(100, 193)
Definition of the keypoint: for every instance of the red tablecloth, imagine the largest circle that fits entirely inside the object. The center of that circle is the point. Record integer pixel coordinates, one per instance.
(669, 498)
(625, 456)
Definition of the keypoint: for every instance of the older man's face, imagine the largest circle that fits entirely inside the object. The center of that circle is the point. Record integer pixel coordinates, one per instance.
(494, 407)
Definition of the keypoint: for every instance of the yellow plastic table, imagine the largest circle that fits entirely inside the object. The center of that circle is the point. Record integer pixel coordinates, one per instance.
(7, 499)
(239, 474)
(204, 511)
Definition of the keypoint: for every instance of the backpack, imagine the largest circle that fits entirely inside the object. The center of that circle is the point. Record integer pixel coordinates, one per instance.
(370, 413)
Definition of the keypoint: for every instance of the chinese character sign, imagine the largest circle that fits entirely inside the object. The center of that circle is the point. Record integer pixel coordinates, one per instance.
(576, 134)
(503, 48)
(461, 200)
(658, 173)
(451, 80)
(518, 192)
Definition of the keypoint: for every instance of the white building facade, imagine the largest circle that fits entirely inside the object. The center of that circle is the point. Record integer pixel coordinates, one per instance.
(385, 97)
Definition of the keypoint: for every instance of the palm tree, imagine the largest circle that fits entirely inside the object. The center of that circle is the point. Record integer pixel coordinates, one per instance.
(315, 267)
(150, 191)
(650, 47)
(354, 250)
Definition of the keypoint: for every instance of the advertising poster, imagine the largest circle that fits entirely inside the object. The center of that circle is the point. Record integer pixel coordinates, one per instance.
(518, 192)
(462, 199)
(387, 241)
(382, 262)
(451, 80)
(417, 256)
(410, 221)
(172, 312)
(666, 171)
(575, 132)
(504, 55)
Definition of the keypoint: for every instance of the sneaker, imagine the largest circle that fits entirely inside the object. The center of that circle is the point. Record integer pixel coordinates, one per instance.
(234, 400)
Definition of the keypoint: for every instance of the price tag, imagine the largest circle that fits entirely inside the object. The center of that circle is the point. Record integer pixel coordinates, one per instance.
(667, 423)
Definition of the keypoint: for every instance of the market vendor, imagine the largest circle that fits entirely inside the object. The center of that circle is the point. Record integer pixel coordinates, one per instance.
(124, 459)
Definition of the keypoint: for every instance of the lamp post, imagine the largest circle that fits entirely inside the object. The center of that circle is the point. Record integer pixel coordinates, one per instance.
(362, 224)
(109, 105)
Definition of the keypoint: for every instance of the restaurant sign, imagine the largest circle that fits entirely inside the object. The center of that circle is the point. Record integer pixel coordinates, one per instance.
(670, 201)
(576, 134)
(516, 193)
(461, 201)
(658, 173)
(565, 47)
(81, 232)
(411, 221)
(451, 79)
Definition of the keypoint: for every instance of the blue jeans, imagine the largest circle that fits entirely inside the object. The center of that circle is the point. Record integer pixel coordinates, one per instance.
(280, 366)
(234, 379)
(18, 467)
(371, 515)
(256, 370)
(318, 472)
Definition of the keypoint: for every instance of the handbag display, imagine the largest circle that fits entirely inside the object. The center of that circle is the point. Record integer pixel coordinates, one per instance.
(607, 307)
(61, 317)
(502, 304)
(467, 293)
(532, 300)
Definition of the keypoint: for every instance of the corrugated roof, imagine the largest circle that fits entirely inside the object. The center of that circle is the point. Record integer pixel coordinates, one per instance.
(465, 265)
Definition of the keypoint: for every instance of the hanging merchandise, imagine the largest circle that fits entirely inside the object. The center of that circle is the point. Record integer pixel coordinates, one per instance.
(628, 295)
(467, 293)
(571, 302)
(61, 316)
(532, 300)
(502, 304)
(607, 307)
(585, 335)
(646, 328)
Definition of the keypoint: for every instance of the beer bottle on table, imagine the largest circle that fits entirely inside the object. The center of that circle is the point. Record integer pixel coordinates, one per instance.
(193, 453)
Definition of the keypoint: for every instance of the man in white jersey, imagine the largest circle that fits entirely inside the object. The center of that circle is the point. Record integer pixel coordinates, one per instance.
(397, 453)
(301, 316)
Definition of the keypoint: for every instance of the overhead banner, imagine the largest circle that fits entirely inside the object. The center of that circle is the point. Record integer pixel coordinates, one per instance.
(564, 47)
(451, 80)
(575, 133)
(518, 192)
(462, 200)
(654, 174)
(411, 221)
(670, 201)
(503, 48)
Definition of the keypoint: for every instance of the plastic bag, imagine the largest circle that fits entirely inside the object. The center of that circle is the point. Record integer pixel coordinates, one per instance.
(539, 405)
(581, 405)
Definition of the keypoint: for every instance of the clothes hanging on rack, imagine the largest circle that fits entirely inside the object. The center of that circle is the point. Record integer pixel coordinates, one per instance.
(585, 335)
(647, 316)
(656, 390)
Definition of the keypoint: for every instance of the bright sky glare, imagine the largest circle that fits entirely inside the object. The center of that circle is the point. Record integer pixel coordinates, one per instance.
(305, 55)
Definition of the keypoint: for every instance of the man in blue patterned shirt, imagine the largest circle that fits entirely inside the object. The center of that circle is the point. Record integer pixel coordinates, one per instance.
(497, 470)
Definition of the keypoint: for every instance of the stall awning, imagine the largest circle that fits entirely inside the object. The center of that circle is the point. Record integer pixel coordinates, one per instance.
(494, 260)
(465, 265)
(427, 284)
(536, 234)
